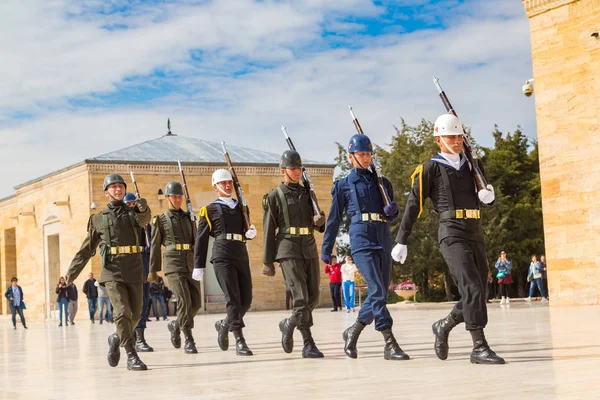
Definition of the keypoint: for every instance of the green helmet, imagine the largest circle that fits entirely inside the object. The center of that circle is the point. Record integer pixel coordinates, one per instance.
(173, 188)
(113, 178)
(290, 159)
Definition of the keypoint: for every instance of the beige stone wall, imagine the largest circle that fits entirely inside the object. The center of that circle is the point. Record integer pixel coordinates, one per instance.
(566, 68)
(29, 217)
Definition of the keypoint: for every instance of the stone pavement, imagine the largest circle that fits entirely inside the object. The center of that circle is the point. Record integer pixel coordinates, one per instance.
(551, 353)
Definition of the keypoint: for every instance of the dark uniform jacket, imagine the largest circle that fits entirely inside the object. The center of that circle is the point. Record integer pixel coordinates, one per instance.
(174, 260)
(123, 225)
(356, 194)
(218, 219)
(429, 182)
(279, 245)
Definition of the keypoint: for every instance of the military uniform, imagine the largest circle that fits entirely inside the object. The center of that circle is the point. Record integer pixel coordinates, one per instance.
(448, 181)
(225, 222)
(173, 229)
(116, 230)
(288, 228)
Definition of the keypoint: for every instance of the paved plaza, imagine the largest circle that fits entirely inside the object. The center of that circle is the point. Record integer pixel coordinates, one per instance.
(551, 353)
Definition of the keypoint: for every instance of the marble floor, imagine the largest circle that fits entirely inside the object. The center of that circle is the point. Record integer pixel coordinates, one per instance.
(551, 353)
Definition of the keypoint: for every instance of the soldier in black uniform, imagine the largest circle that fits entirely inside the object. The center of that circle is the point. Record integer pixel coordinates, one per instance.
(223, 220)
(448, 181)
(288, 226)
(116, 230)
(174, 230)
(140, 338)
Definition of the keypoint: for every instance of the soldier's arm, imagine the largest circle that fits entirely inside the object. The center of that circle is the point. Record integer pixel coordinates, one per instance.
(390, 191)
(155, 245)
(421, 187)
(86, 251)
(202, 238)
(480, 164)
(336, 213)
(270, 217)
(143, 217)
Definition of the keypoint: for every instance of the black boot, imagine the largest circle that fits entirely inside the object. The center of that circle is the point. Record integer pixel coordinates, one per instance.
(310, 348)
(190, 345)
(223, 336)
(140, 342)
(350, 337)
(286, 326)
(175, 334)
(133, 361)
(482, 354)
(241, 348)
(441, 329)
(114, 353)
(392, 350)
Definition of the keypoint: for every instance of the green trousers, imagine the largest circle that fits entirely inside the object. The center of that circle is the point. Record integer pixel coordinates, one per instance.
(187, 293)
(303, 277)
(126, 299)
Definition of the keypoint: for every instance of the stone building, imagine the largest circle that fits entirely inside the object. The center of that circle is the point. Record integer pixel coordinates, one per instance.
(565, 48)
(44, 223)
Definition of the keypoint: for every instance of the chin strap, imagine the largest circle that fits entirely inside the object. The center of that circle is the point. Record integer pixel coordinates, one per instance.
(222, 191)
(358, 162)
(447, 146)
(289, 177)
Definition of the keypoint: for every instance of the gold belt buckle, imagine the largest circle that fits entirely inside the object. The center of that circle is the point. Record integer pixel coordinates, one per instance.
(186, 246)
(124, 249)
(114, 250)
(376, 217)
(177, 246)
(134, 249)
(304, 231)
(472, 213)
(459, 214)
(365, 217)
(292, 230)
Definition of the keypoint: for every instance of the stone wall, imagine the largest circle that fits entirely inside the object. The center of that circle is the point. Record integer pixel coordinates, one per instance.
(566, 65)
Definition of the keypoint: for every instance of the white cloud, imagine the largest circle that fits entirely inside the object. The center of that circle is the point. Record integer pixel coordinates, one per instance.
(482, 58)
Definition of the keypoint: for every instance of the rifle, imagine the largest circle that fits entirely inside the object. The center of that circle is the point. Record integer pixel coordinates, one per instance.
(238, 189)
(137, 195)
(480, 180)
(374, 165)
(188, 201)
(306, 181)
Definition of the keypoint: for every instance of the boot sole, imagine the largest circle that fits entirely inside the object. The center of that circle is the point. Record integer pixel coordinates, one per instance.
(144, 368)
(117, 352)
(488, 363)
(143, 350)
(403, 358)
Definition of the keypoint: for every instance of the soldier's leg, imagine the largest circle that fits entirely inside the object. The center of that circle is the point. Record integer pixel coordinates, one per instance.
(123, 316)
(135, 293)
(295, 274)
(245, 286)
(372, 267)
(195, 299)
(227, 276)
(181, 290)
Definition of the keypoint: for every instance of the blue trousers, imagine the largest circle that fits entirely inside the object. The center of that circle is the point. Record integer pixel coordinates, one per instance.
(349, 295)
(63, 304)
(92, 307)
(104, 301)
(160, 299)
(376, 267)
(540, 286)
(14, 310)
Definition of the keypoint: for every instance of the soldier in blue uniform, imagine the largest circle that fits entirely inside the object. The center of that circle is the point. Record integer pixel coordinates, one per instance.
(358, 196)
(448, 181)
(140, 339)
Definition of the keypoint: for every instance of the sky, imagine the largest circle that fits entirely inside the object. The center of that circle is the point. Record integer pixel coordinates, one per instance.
(82, 78)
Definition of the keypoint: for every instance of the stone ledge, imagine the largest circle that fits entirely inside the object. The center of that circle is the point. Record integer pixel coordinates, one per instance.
(535, 7)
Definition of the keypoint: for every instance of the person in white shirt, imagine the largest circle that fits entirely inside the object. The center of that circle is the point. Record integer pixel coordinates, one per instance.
(348, 271)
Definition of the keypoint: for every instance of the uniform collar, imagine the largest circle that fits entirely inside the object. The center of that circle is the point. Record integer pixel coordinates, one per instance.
(290, 187)
(356, 176)
(231, 204)
(438, 158)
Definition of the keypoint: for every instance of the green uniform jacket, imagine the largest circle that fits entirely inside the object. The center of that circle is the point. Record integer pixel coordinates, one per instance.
(278, 245)
(125, 268)
(175, 261)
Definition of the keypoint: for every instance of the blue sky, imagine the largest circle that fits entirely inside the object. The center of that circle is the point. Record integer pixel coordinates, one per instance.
(86, 77)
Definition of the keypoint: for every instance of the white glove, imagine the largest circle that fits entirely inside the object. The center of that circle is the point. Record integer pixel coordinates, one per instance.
(487, 195)
(251, 233)
(96, 283)
(399, 253)
(198, 274)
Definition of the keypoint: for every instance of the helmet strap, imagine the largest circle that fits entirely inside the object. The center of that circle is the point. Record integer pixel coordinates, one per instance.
(171, 203)
(224, 193)
(358, 162)
(289, 177)
(447, 146)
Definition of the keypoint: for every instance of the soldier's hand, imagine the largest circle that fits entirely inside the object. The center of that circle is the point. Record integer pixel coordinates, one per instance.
(487, 195)
(320, 219)
(198, 274)
(269, 269)
(399, 253)
(152, 277)
(141, 204)
(326, 258)
(391, 209)
(251, 233)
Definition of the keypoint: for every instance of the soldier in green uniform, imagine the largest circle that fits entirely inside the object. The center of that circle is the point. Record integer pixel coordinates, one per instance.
(116, 230)
(288, 226)
(174, 230)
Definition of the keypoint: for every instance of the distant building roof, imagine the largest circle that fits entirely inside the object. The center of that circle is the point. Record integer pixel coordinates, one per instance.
(170, 148)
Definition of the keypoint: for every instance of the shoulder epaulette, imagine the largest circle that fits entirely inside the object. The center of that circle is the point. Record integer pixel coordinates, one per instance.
(418, 171)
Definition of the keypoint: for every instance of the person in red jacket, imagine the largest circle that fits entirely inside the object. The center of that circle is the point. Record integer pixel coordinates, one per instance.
(335, 282)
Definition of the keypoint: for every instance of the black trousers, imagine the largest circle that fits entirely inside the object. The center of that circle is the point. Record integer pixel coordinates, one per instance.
(336, 294)
(235, 280)
(303, 277)
(468, 266)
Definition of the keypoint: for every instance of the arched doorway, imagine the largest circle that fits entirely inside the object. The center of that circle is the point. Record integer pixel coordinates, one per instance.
(52, 267)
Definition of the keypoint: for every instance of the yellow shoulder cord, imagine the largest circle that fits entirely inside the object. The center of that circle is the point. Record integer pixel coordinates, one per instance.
(204, 213)
(418, 170)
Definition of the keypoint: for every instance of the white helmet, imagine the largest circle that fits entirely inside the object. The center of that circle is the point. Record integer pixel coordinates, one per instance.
(221, 175)
(447, 125)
